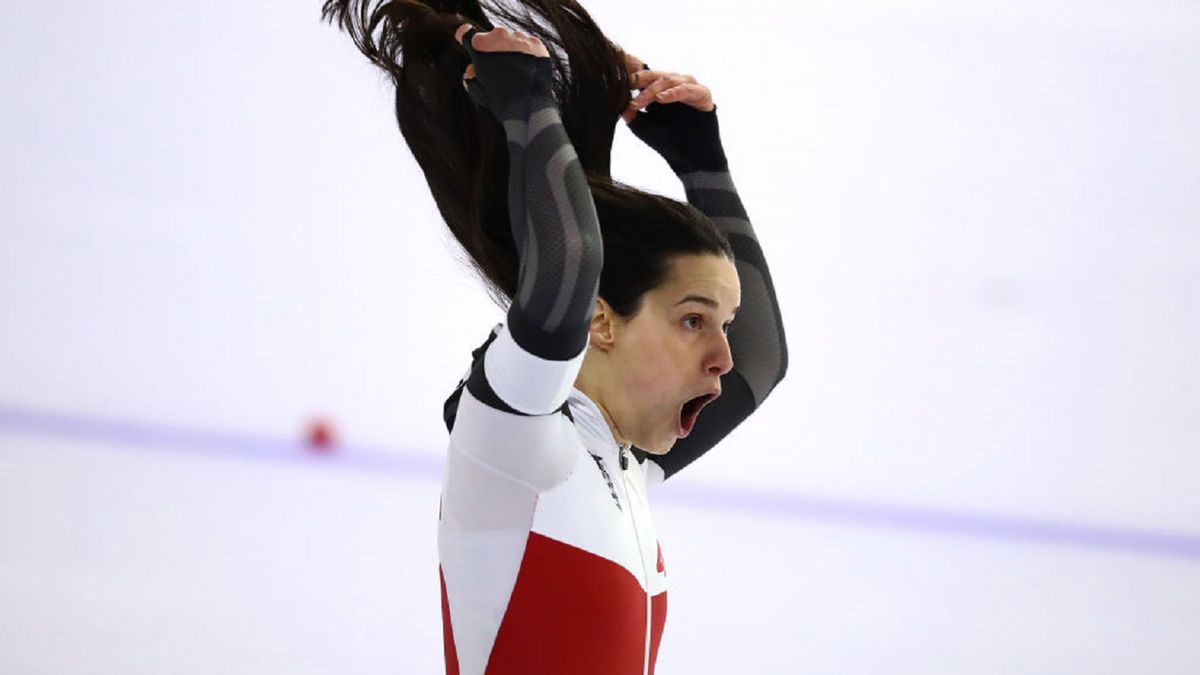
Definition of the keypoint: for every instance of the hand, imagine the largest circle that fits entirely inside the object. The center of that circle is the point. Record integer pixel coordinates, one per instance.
(687, 136)
(509, 70)
(659, 86)
(499, 40)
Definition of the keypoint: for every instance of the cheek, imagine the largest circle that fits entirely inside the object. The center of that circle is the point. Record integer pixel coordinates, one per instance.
(653, 370)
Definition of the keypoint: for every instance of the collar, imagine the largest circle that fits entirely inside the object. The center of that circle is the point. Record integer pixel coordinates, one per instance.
(591, 422)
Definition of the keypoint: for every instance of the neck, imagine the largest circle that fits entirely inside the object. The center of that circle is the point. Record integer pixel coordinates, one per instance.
(590, 383)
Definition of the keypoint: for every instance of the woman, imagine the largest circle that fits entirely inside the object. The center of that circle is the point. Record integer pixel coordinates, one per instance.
(619, 325)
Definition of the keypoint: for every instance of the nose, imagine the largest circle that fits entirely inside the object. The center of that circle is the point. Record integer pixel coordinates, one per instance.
(720, 360)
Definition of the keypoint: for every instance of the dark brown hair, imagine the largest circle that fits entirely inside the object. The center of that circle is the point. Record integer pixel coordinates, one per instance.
(462, 149)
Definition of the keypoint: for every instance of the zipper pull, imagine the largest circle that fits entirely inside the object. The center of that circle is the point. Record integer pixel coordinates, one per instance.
(624, 459)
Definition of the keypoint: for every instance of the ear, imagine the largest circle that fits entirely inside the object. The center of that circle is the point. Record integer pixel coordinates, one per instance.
(603, 326)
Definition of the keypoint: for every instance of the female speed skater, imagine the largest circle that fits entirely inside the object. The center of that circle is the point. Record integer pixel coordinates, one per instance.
(619, 361)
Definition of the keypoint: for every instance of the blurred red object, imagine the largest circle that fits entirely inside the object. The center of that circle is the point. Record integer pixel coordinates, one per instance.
(320, 436)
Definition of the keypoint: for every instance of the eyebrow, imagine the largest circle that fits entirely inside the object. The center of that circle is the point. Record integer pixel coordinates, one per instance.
(704, 301)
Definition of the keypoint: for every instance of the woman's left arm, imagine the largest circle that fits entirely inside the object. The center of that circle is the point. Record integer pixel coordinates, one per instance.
(682, 127)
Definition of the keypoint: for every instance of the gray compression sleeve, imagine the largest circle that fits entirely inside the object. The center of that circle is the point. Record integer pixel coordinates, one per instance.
(552, 215)
(756, 338)
(690, 142)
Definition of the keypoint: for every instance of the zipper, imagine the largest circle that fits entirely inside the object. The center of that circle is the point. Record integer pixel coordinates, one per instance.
(624, 461)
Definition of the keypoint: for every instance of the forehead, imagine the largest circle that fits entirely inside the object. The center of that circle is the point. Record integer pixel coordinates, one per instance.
(713, 276)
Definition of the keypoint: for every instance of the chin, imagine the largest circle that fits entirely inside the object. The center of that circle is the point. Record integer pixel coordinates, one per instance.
(659, 449)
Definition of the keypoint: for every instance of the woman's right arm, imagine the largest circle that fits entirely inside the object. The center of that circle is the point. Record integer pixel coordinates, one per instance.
(687, 135)
(532, 364)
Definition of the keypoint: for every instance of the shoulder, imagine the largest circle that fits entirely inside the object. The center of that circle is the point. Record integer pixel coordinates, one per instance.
(539, 451)
(450, 407)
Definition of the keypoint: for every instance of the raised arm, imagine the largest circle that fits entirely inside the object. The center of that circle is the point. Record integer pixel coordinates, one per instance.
(685, 132)
(533, 362)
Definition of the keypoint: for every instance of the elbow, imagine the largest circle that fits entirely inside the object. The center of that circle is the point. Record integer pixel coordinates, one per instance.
(781, 371)
(783, 361)
(591, 254)
(781, 368)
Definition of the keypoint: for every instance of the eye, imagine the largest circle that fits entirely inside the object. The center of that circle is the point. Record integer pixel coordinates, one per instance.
(725, 327)
(693, 320)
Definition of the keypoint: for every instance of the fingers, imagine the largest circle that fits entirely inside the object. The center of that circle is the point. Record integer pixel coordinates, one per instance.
(647, 76)
(682, 94)
(461, 31)
(650, 90)
(654, 82)
(644, 78)
(658, 86)
(502, 39)
(695, 95)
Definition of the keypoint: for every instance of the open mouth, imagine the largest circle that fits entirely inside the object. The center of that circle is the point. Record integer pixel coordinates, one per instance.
(690, 411)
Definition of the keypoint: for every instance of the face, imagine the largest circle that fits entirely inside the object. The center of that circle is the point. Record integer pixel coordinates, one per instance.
(673, 350)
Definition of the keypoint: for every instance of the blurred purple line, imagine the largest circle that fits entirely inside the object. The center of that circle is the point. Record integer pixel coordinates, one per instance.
(214, 443)
(788, 506)
(794, 506)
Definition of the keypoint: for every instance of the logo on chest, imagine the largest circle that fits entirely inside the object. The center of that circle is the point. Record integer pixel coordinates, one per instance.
(607, 479)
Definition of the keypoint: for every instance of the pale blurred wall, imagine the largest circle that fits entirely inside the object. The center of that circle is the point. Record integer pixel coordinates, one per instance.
(983, 227)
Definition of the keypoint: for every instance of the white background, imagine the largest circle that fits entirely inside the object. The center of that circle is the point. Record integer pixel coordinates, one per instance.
(982, 220)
